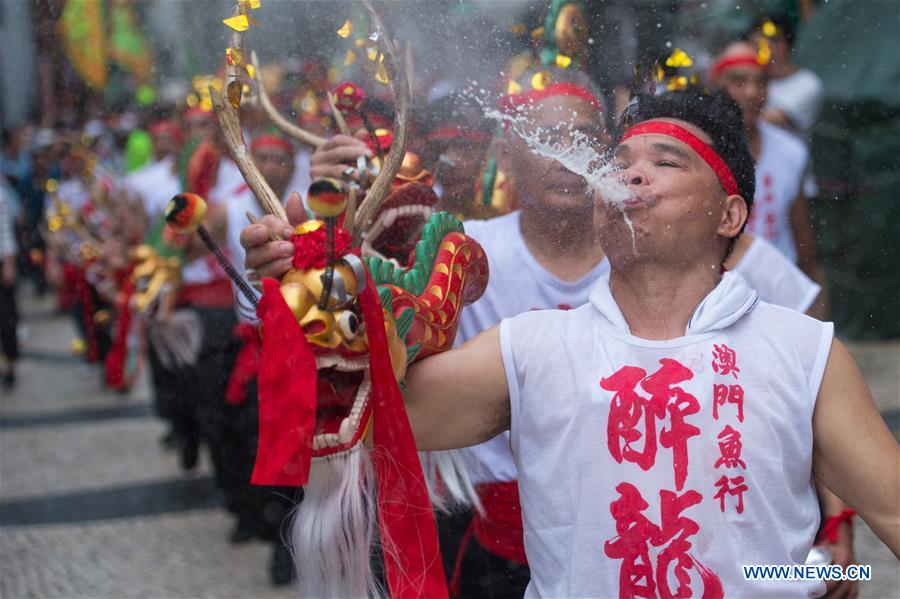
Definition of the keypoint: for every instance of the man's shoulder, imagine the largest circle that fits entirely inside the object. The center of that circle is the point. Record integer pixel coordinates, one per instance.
(787, 146)
(555, 321)
(485, 230)
(806, 81)
(784, 322)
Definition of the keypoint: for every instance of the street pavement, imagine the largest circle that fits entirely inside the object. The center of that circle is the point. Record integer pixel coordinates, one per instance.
(91, 506)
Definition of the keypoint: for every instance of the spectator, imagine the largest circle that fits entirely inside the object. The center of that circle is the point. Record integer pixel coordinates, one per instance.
(794, 94)
(8, 313)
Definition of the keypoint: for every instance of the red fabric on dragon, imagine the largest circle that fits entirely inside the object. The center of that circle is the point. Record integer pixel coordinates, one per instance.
(246, 365)
(287, 395)
(405, 518)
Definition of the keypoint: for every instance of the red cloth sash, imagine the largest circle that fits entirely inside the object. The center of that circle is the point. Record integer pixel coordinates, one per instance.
(499, 530)
(215, 294)
(246, 365)
(86, 299)
(115, 359)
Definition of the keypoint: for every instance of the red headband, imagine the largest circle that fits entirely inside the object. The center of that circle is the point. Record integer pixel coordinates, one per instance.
(194, 111)
(272, 141)
(512, 102)
(456, 132)
(167, 128)
(745, 60)
(709, 156)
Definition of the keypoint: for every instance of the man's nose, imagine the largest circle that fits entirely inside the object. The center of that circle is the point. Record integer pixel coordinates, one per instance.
(632, 177)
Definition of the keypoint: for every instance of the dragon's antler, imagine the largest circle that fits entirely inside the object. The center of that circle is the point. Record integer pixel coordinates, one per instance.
(230, 122)
(380, 189)
(231, 128)
(281, 123)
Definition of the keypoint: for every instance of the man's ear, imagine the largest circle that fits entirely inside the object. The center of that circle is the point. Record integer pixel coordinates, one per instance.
(734, 215)
(503, 154)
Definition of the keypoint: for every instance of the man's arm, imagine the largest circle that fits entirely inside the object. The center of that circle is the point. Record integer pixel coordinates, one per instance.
(459, 398)
(855, 454)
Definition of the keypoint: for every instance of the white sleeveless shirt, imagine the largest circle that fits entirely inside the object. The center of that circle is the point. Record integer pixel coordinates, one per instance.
(659, 463)
(779, 176)
(518, 283)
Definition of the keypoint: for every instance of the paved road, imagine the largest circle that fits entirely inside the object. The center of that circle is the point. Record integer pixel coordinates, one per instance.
(91, 506)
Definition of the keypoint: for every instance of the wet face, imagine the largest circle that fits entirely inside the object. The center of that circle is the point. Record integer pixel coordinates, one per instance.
(680, 213)
(200, 126)
(541, 181)
(745, 83)
(276, 166)
(164, 145)
(460, 167)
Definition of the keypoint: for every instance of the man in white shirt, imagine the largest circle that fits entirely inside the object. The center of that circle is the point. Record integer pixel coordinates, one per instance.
(781, 212)
(156, 183)
(794, 95)
(615, 503)
(566, 380)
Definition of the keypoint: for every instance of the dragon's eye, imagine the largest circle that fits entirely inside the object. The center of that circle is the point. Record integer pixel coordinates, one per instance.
(349, 324)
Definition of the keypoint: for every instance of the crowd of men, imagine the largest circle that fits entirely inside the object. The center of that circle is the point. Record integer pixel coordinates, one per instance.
(554, 252)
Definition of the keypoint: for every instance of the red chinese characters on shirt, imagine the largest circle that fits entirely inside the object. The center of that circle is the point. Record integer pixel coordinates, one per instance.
(730, 447)
(729, 439)
(733, 394)
(629, 409)
(642, 576)
(725, 360)
(732, 487)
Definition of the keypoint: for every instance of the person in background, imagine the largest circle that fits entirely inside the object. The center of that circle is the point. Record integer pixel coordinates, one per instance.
(780, 212)
(794, 95)
(546, 255)
(156, 183)
(456, 145)
(9, 317)
(260, 511)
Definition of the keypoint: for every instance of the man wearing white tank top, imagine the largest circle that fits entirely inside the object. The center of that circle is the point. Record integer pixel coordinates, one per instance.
(527, 262)
(519, 283)
(670, 430)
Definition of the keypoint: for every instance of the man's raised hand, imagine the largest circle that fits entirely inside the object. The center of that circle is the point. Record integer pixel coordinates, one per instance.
(268, 257)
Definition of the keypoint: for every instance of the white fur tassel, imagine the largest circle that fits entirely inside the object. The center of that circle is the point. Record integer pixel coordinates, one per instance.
(333, 529)
(446, 470)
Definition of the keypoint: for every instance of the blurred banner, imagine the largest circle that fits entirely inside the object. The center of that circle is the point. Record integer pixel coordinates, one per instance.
(97, 33)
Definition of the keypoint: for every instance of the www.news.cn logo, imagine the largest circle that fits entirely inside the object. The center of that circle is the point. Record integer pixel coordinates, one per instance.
(808, 572)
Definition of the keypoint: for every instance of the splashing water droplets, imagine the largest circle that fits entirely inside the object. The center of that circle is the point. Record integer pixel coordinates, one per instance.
(578, 156)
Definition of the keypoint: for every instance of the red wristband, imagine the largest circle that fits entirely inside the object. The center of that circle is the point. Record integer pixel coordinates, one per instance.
(832, 523)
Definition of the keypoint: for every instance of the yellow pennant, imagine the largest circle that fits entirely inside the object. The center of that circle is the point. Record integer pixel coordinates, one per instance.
(679, 58)
(346, 29)
(540, 80)
(239, 23)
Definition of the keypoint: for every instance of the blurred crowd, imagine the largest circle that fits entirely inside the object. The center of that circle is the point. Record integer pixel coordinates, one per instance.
(83, 205)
